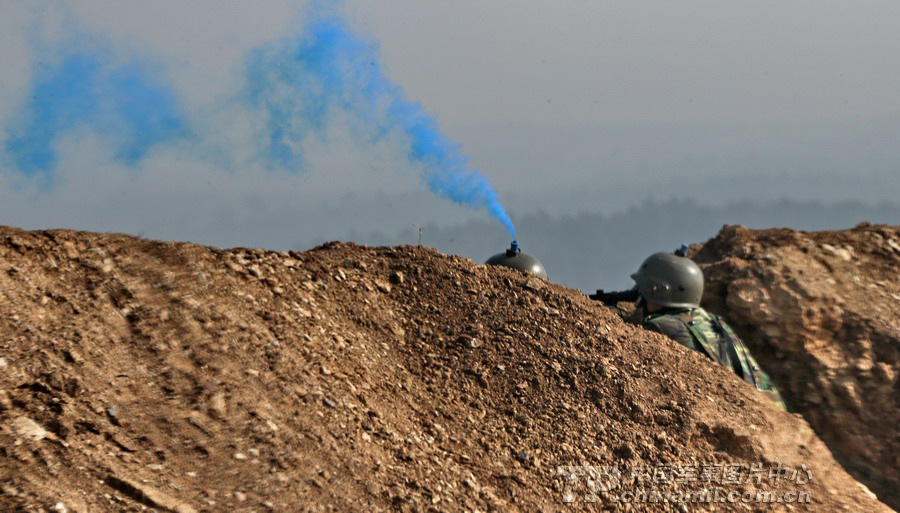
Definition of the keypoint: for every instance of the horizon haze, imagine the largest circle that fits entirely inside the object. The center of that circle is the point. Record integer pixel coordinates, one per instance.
(134, 117)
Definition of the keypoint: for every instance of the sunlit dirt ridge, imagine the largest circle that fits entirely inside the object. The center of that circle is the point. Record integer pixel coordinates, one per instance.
(140, 374)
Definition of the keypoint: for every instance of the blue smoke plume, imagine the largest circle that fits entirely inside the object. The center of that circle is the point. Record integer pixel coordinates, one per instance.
(301, 84)
(80, 90)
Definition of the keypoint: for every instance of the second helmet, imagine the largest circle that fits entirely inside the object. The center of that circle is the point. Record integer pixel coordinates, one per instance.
(670, 280)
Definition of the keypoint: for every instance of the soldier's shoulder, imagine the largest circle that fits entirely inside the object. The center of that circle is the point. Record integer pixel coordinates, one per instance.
(673, 325)
(666, 323)
(701, 313)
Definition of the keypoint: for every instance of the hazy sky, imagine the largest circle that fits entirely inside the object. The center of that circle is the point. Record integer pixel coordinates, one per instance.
(563, 106)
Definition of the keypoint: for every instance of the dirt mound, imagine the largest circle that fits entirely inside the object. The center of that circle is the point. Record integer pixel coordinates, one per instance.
(821, 311)
(184, 378)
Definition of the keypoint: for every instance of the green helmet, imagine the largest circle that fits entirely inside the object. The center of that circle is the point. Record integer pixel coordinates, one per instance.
(515, 259)
(670, 280)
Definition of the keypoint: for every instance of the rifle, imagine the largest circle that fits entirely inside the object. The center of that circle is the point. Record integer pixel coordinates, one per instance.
(613, 298)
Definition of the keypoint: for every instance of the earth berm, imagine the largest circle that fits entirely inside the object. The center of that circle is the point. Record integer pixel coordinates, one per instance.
(140, 375)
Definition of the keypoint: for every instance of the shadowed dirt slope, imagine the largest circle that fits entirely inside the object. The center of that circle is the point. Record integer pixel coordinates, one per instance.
(139, 374)
(821, 311)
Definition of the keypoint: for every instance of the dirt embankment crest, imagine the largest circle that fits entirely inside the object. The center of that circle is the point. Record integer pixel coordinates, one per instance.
(140, 374)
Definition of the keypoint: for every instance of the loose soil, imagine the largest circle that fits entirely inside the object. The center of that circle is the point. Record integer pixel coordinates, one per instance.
(139, 375)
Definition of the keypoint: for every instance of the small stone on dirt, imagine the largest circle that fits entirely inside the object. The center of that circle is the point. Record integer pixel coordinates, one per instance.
(5, 401)
(534, 284)
(217, 404)
(470, 342)
(28, 429)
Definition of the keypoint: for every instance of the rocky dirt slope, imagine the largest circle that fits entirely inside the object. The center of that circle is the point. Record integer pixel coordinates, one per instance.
(140, 375)
(821, 311)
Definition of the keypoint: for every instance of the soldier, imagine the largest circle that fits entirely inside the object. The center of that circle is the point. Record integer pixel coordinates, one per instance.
(669, 287)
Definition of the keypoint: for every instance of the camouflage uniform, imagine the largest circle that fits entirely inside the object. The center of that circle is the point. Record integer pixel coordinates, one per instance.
(699, 330)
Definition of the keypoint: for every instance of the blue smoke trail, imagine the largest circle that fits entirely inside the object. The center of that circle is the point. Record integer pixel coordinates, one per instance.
(123, 103)
(302, 84)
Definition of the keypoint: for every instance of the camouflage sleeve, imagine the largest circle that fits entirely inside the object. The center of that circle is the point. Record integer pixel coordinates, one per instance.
(673, 328)
(764, 384)
(768, 388)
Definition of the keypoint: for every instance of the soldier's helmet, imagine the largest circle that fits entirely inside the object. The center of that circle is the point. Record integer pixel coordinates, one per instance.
(670, 280)
(515, 259)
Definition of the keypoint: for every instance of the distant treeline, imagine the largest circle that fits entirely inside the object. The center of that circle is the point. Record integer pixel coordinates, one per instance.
(592, 250)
